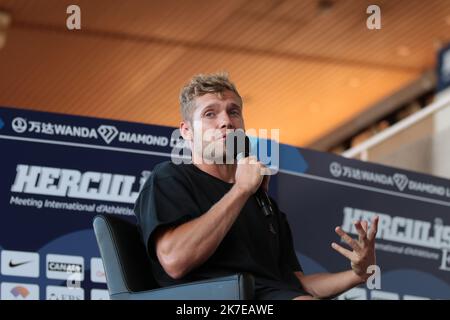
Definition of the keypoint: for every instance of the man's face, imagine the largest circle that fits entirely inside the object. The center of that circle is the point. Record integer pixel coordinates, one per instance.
(212, 118)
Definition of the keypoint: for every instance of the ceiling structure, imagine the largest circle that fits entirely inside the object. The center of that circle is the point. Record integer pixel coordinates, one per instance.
(305, 67)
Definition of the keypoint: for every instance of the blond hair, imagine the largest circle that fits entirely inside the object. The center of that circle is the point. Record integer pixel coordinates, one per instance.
(200, 85)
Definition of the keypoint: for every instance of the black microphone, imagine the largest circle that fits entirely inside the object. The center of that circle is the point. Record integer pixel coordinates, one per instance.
(238, 144)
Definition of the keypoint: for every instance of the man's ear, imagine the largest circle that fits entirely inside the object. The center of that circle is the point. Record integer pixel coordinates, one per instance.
(186, 130)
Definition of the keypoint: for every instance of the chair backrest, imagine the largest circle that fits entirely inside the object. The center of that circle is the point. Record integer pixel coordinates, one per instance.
(127, 266)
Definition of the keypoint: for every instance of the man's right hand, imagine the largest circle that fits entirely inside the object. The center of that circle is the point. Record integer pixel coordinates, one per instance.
(182, 248)
(249, 174)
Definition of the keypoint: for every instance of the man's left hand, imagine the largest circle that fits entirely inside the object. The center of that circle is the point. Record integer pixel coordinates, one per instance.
(363, 253)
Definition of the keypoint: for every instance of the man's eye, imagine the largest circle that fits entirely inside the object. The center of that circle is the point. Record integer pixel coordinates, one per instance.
(209, 114)
(235, 112)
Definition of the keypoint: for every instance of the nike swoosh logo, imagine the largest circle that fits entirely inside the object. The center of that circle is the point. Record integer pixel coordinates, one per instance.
(13, 265)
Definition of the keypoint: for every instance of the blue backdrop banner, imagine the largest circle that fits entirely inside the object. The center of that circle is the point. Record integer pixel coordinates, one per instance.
(59, 171)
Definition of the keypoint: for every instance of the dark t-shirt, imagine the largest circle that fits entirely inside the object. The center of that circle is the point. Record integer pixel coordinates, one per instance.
(259, 245)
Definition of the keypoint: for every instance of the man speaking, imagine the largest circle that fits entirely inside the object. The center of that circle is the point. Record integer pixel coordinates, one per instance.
(209, 218)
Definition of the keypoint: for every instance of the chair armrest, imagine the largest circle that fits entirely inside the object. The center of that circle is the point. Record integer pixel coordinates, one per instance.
(235, 287)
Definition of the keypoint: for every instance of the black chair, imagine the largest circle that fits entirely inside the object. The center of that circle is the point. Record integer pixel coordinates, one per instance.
(129, 275)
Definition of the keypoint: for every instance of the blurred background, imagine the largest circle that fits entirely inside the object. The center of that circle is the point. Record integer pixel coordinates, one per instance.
(311, 68)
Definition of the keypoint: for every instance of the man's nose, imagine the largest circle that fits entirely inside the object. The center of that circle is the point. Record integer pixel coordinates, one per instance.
(225, 121)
